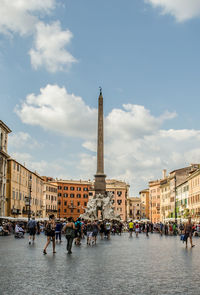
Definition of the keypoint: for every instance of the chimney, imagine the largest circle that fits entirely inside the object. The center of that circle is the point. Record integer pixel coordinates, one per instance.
(164, 173)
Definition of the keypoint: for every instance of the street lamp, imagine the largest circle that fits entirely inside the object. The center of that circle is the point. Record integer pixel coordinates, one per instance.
(175, 198)
(29, 198)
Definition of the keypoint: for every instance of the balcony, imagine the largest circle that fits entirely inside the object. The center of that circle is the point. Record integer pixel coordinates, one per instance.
(15, 211)
(51, 210)
(71, 206)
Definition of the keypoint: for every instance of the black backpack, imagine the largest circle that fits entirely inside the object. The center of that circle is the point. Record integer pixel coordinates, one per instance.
(70, 232)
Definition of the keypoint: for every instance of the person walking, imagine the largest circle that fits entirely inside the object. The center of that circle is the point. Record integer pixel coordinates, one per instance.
(32, 225)
(69, 230)
(188, 232)
(58, 231)
(137, 228)
(161, 229)
(50, 232)
(89, 232)
(78, 226)
(147, 229)
(102, 229)
(108, 228)
(95, 231)
(131, 225)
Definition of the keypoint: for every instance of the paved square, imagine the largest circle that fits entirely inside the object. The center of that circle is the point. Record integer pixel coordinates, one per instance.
(121, 266)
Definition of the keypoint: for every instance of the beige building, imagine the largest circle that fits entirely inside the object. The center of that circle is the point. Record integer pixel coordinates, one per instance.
(144, 197)
(154, 197)
(182, 194)
(194, 195)
(176, 178)
(4, 131)
(165, 203)
(23, 186)
(134, 210)
(50, 195)
(120, 190)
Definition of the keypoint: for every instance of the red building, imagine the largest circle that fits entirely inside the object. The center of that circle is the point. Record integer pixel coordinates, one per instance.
(73, 197)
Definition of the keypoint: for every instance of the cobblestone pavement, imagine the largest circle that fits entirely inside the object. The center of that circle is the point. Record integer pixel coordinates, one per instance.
(121, 266)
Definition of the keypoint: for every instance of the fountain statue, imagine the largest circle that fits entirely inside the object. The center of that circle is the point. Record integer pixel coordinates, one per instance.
(101, 202)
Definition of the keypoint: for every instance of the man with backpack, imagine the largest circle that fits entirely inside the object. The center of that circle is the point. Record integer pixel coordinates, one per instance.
(78, 225)
(69, 230)
(32, 229)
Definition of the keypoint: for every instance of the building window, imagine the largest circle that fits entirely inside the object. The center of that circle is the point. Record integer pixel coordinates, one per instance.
(85, 203)
(85, 196)
(13, 195)
(119, 193)
(59, 194)
(65, 195)
(72, 210)
(85, 189)
(78, 210)
(60, 187)
(71, 188)
(119, 202)
(65, 203)
(78, 196)
(65, 188)
(78, 188)
(65, 210)
(71, 195)
(78, 203)
(59, 202)
(90, 194)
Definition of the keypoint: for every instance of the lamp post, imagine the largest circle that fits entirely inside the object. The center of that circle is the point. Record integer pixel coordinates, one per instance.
(59, 213)
(175, 198)
(29, 198)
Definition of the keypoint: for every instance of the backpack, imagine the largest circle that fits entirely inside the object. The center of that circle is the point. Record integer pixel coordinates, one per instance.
(78, 226)
(70, 232)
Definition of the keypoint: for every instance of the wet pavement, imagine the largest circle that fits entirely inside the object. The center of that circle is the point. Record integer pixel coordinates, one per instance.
(122, 266)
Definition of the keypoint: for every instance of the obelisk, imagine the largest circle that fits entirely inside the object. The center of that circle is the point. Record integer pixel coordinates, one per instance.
(100, 182)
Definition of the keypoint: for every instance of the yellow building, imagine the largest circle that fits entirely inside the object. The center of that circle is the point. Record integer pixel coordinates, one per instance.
(144, 197)
(23, 185)
(50, 195)
(194, 195)
(4, 131)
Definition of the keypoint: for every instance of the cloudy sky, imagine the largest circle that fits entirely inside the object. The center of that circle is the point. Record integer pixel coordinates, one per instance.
(54, 55)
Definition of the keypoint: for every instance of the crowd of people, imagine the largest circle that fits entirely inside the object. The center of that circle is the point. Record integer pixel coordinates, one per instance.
(76, 231)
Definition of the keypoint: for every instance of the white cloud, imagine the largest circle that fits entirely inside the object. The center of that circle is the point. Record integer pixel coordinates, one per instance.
(19, 16)
(50, 47)
(55, 109)
(50, 41)
(20, 140)
(137, 147)
(182, 10)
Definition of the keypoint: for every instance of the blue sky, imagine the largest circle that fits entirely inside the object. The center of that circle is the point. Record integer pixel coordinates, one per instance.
(55, 54)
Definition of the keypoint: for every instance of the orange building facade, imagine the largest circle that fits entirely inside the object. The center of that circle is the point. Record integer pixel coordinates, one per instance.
(73, 197)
